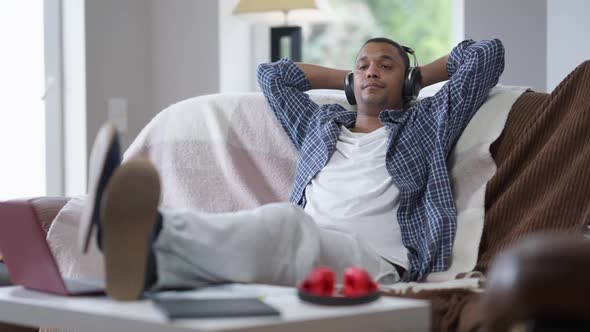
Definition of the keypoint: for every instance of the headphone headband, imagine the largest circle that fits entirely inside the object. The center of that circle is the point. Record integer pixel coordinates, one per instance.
(411, 51)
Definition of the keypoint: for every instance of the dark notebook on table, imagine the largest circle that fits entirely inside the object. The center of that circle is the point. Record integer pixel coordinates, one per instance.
(214, 308)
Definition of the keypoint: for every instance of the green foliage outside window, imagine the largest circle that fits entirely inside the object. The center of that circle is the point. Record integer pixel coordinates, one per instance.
(424, 25)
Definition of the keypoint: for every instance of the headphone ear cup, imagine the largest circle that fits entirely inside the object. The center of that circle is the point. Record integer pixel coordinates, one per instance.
(412, 84)
(321, 281)
(349, 88)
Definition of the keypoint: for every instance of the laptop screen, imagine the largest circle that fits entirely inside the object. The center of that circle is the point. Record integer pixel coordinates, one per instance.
(25, 250)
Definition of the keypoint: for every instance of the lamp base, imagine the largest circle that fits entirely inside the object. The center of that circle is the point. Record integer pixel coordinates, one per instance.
(293, 34)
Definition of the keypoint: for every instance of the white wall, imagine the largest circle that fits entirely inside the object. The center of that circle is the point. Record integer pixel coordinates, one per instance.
(151, 53)
(185, 50)
(567, 37)
(244, 45)
(235, 50)
(522, 27)
(118, 63)
(545, 39)
(457, 21)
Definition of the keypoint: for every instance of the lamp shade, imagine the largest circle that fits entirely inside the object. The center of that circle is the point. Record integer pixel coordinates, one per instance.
(255, 6)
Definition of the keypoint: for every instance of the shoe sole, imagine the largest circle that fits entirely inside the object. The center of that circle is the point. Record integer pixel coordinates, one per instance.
(104, 159)
(128, 212)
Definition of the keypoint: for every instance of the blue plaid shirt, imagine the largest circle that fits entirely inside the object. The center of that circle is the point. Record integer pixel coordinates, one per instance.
(420, 140)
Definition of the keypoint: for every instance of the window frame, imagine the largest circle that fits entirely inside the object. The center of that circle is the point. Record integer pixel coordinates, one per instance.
(54, 138)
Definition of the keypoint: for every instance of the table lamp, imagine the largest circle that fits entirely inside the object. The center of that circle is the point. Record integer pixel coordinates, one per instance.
(292, 33)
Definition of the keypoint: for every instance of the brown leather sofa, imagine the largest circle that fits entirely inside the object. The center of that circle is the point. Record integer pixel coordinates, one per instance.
(542, 283)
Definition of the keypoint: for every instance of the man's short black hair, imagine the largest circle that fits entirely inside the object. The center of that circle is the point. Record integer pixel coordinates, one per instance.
(399, 48)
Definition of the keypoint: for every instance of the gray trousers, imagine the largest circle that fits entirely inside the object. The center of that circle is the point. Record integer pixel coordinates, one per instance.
(276, 244)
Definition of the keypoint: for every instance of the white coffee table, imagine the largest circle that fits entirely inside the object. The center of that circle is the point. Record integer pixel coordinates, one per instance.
(31, 308)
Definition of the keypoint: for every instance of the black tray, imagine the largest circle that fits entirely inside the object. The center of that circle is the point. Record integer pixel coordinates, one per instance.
(338, 300)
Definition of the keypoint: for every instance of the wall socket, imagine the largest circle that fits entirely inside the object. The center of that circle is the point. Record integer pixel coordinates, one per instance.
(117, 108)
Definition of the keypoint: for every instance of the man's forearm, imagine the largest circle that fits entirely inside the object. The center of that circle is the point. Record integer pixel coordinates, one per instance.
(323, 77)
(435, 71)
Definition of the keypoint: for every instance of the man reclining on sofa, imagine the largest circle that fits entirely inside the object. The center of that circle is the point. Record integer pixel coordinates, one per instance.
(387, 159)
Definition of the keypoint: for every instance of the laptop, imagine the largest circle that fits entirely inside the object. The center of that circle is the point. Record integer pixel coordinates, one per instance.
(28, 257)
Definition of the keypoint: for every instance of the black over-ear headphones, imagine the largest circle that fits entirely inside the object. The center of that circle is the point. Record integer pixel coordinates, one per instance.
(411, 85)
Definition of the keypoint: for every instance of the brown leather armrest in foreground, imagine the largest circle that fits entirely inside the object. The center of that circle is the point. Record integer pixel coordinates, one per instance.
(545, 274)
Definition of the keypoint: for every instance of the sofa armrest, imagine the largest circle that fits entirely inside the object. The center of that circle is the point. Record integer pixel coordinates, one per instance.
(543, 277)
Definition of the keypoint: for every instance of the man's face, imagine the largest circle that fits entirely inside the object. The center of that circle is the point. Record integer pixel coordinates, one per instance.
(378, 76)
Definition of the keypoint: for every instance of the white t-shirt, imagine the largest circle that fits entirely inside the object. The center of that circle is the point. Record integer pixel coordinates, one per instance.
(354, 192)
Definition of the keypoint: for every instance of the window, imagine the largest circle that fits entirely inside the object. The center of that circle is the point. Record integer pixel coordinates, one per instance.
(424, 25)
(22, 114)
(30, 115)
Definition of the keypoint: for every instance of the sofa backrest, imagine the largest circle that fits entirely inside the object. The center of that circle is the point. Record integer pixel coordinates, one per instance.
(221, 153)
